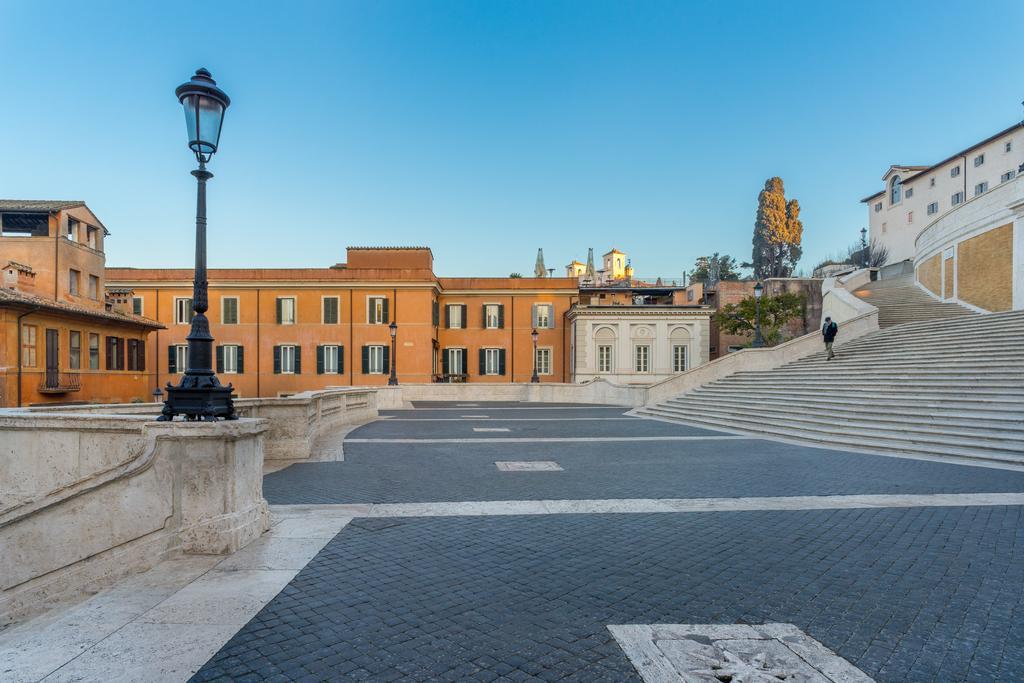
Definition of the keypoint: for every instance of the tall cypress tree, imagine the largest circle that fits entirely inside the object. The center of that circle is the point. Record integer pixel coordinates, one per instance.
(795, 233)
(778, 233)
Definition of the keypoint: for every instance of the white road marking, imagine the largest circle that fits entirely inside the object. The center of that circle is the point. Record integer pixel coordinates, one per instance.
(527, 466)
(490, 429)
(453, 419)
(647, 505)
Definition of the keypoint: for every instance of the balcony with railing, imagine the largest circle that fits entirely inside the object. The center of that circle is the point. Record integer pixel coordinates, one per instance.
(56, 382)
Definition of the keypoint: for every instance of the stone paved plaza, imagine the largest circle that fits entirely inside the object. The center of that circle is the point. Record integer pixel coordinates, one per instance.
(905, 589)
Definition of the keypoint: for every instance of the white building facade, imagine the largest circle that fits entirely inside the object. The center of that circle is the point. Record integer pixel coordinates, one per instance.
(637, 344)
(914, 197)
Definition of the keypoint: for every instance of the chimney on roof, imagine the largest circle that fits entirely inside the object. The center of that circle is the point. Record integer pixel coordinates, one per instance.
(19, 277)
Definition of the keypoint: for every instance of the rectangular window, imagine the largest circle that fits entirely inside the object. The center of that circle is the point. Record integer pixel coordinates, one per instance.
(954, 172)
(330, 316)
(909, 192)
(979, 160)
(182, 311)
(910, 216)
(678, 358)
(492, 361)
(376, 360)
(377, 310)
(90, 235)
(980, 188)
(94, 351)
(1009, 175)
(24, 224)
(28, 346)
(230, 352)
(885, 227)
(137, 305)
(72, 230)
(454, 314)
(136, 355)
(332, 356)
(115, 353)
(492, 316)
(604, 358)
(878, 207)
(544, 361)
(74, 278)
(94, 287)
(74, 350)
(286, 310)
(642, 358)
(543, 316)
(229, 310)
(957, 198)
(180, 358)
(1009, 146)
(287, 360)
(933, 208)
(931, 182)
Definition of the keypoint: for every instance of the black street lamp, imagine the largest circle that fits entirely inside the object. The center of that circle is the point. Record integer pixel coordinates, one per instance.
(200, 395)
(758, 339)
(864, 246)
(534, 378)
(393, 329)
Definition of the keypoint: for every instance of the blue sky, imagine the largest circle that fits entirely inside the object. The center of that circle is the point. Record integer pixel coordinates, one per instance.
(488, 129)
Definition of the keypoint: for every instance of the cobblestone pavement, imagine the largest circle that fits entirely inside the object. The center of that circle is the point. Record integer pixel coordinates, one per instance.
(917, 594)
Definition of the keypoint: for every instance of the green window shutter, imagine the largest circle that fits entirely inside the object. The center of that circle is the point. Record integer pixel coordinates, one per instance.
(465, 320)
(501, 316)
(341, 360)
(366, 360)
(220, 359)
(277, 360)
(172, 359)
(385, 313)
(387, 360)
(533, 316)
(319, 360)
(278, 304)
(483, 316)
(298, 360)
(501, 362)
(444, 361)
(483, 361)
(241, 360)
(142, 355)
(447, 317)
(435, 313)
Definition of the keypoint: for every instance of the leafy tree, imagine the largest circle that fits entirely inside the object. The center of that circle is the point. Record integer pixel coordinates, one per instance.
(778, 232)
(776, 311)
(728, 269)
(877, 254)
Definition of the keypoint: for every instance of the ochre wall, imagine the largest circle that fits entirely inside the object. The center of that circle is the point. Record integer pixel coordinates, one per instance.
(947, 268)
(985, 269)
(929, 274)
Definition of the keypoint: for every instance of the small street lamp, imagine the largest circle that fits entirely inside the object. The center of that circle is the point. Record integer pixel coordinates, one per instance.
(864, 246)
(200, 395)
(393, 329)
(158, 396)
(758, 339)
(534, 378)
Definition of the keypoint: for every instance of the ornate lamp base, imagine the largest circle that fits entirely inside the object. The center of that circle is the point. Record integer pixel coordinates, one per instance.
(208, 403)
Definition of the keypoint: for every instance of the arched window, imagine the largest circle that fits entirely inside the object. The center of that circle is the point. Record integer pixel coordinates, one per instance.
(896, 190)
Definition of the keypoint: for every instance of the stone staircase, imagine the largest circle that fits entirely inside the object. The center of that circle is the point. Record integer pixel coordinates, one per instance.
(900, 300)
(951, 387)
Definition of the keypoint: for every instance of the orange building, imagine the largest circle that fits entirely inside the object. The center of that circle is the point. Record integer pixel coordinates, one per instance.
(279, 331)
(61, 338)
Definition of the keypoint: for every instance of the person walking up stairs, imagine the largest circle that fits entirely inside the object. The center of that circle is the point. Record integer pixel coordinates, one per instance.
(829, 331)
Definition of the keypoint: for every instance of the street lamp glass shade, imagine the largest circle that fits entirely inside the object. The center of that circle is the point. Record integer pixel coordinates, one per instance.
(758, 289)
(534, 335)
(204, 104)
(393, 328)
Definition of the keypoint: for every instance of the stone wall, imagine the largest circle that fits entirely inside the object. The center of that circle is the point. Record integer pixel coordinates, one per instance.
(92, 498)
(929, 274)
(597, 391)
(985, 270)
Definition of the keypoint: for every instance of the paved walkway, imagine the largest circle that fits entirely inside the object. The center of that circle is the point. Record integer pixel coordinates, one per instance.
(418, 558)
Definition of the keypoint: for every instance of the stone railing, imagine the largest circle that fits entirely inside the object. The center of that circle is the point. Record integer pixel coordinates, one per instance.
(597, 391)
(89, 498)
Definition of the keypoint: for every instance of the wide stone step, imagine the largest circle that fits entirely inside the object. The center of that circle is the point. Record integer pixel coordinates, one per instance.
(826, 381)
(1014, 363)
(834, 370)
(891, 394)
(903, 420)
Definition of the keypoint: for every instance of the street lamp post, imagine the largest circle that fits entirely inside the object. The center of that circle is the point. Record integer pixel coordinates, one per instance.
(199, 395)
(534, 378)
(864, 247)
(393, 379)
(758, 339)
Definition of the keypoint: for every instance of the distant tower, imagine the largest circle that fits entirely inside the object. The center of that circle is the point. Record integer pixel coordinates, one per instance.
(590, 273)
(629, 270)
(539, 270)
(684, 279)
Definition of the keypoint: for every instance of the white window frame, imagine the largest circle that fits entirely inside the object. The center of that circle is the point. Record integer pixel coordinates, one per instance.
(458, 352)
(543, 360)
(979, 160)
(1008, 147)
(287, 359)
(375, 362)
(182, 315)
(606, 364)
(676, 365)
(332, 355)
(642, 358)
(142, 305)
(323, 311)
(72, 230)
(492, 362)
(238, 313)
(981, 188)
(933, 208)
(230, 352)
(488, 318)
(294, 311)
(878, 206)
(375, 312)
(549, 322)
(181, 358)
(454, 311)
(957, 198)
(955, 171)
(1008, 176)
